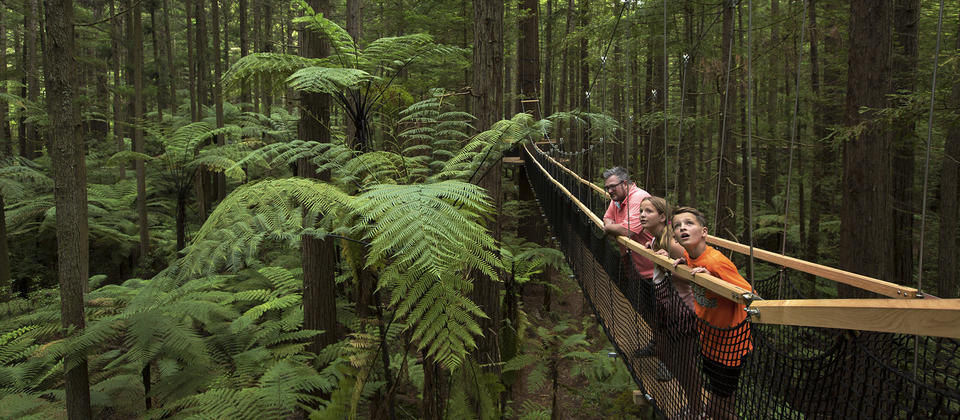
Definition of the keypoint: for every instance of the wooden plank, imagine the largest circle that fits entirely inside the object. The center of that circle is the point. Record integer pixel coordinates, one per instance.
(928, 317)
(513, 160)
(881, 287)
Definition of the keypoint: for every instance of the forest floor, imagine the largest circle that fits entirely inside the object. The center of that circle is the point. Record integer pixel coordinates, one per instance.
(574, 399)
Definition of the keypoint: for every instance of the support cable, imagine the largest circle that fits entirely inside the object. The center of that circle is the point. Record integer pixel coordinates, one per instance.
(926, 178)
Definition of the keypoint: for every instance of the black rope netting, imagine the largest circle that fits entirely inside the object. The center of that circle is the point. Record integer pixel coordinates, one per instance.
(692, 369)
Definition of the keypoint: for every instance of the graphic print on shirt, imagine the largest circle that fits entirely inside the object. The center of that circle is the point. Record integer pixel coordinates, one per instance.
(700, 294)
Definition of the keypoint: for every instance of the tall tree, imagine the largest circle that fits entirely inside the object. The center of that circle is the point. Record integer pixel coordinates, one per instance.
(159, 72)
(771, 165)
(487, 107)
(70, 190)
(528, 51)
(171, 66)
(947, 258)
(726, 197)
(244, 50)
(135, 52)
(318, 255)
(29, 141)
(192, 69)
(906, 28)
(865, 218)
(6, 141)
(220, 177)
(818, 201)
(116, 34)
(547, 94)
(688, 175)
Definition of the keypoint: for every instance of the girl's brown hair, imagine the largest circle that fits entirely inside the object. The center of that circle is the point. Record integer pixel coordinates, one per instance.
(660, 205)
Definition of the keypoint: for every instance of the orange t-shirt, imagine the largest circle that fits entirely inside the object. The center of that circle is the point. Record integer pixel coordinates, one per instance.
(724, 346)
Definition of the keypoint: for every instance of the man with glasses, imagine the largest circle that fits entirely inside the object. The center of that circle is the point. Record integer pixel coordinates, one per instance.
(623, 219)
(623, 215)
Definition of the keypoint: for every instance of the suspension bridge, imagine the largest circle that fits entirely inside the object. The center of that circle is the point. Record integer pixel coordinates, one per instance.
(892, 357)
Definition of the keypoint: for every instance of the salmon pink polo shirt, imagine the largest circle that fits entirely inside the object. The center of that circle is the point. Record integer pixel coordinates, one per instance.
(627, 214)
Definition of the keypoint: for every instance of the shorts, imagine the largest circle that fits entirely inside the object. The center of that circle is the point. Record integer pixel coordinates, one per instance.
(722, 380)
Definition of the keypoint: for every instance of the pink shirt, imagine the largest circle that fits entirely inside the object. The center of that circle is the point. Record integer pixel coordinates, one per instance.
(627, 214)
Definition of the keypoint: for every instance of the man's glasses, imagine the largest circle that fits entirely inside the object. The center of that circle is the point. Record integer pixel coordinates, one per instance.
(610, 187)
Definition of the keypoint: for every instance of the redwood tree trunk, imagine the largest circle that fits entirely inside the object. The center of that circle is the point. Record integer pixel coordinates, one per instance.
(244, 50)
(905, 57)
(136, 56)
(726, 198)
(70, 190)
(318, 256)
(947, 258)
(29, 138)
(528, 51)
(487, 106)
(171, 67)
(865, 218)
(6, 141)
(220, 177)
(818, 200)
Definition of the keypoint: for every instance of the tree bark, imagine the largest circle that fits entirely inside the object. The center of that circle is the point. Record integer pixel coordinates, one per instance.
(116, 33)
(220, 177)
(29, 139)
(266, 43)
(906, 27)
(244, 50)
(158, 74)
(318, 256)
(947, 256)
(487, 107)
(865, 218)
(171, 66)
(137, 113)
(528, 51)
(726, 198)
(818, 202)
(581, 93)
(191, 64)
(771, 162)
(547, 94)
(70, 191)
(6, 141)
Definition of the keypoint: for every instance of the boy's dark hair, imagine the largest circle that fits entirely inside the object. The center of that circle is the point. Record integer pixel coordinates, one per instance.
(696, 214)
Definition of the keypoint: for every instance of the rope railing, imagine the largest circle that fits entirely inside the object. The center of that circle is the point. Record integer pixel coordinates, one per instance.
(878, 286)
(768, 366)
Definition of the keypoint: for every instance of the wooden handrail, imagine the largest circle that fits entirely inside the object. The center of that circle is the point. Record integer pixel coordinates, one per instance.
(881, 287)
(859, 281)
(929, 317)
(714, 284)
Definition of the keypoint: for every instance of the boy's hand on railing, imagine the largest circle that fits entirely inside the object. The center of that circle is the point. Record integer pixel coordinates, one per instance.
(679, 261)
(662, 253)
(696, 270)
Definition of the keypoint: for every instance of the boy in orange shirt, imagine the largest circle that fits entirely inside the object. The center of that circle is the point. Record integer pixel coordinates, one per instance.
(724, 338)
